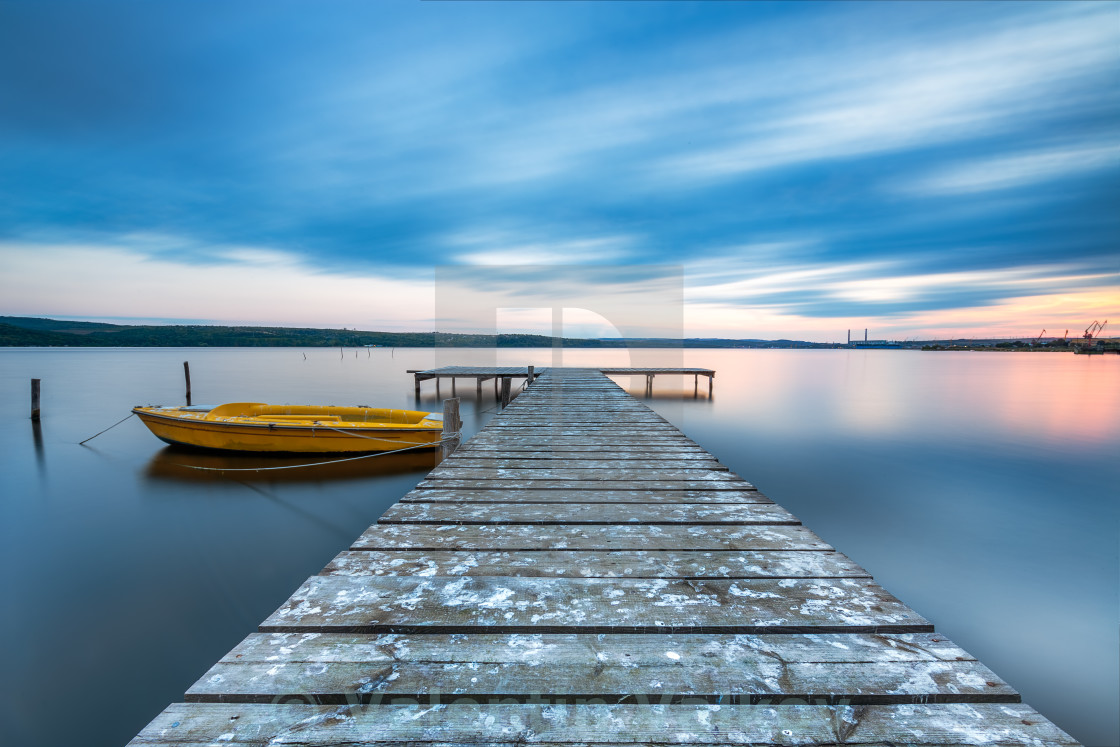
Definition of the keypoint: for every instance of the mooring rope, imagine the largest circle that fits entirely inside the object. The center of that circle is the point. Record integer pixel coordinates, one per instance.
(111, 427)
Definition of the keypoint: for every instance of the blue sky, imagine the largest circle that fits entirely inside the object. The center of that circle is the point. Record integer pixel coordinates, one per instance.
(933, 169)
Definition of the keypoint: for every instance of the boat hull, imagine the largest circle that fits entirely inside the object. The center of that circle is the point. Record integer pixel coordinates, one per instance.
(180, 427)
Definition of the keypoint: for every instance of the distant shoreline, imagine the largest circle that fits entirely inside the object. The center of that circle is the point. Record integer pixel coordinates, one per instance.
(53, 333)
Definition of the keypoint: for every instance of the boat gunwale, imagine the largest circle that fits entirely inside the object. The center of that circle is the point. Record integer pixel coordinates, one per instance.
(145, 411)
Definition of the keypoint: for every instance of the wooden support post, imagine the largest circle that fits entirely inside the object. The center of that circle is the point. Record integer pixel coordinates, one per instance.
(437, 387)
(695, 386)
(452, 386)
(35, 400)
(187, 376)
(417, 378)
(711, 378)
(496, 394)
(529, 378)
(452, 425)
(478, 387)
(505, 390)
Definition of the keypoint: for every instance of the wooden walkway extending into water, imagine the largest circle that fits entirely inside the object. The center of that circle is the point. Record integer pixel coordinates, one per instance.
(580, 572)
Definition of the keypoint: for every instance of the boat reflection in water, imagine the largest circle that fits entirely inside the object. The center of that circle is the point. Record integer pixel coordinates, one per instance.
(183, 463)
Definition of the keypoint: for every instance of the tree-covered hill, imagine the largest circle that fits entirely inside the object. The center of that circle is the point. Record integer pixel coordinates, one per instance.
(33, 332)
(16, 331)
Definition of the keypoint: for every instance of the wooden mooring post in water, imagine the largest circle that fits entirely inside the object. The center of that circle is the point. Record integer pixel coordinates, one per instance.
(35, 400)
(579, 572)
(452, 425)
(187, 376)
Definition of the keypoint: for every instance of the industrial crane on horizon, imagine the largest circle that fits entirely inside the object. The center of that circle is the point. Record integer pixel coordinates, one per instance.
(1094, 329)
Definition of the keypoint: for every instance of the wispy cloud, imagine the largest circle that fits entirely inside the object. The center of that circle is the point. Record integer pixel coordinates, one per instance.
(1019, 170)
(512, 248)
(896, 94)
(865, 289)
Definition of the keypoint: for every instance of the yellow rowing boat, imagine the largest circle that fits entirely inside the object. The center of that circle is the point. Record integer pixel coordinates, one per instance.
(296, 429)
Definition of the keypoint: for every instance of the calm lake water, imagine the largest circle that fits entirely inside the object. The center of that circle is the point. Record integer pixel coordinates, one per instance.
(980, 488)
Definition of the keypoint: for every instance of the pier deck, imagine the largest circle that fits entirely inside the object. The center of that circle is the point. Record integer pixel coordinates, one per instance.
(580, 572)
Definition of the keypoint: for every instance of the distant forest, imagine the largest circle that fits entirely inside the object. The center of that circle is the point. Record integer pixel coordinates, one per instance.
(33, 332)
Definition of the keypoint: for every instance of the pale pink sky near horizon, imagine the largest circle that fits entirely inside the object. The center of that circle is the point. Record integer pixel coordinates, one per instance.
(279, 289)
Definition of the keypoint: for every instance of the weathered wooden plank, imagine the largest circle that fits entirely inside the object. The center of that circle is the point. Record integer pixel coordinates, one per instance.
(579, 418)
(599, 442)
(600, 409)
(563, 435)
(517, 450)
(562, 462)
(566, 403)
(572, 429)
(570, 485)
(596, 419)
(586, 537)
(532, 404)
(639, 650)
(506, 604)
(695, 564)
(511, 495)
(559, 398)
(633, 474)
(594, 513)
(588, 443)
(565, 668)
(591, 451)
(505, 458)
(598, 406)
(506, 725)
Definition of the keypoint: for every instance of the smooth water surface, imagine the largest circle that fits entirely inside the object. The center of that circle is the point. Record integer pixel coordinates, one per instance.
(980, 488)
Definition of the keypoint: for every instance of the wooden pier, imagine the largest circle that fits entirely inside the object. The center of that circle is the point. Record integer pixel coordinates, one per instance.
(580, 572)
(508, 373)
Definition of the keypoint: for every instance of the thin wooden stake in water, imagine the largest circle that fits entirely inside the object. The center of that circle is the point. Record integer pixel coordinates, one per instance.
(187, 376)
(35, 400)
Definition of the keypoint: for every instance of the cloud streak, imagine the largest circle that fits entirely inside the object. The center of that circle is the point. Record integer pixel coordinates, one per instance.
(1021, 169)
